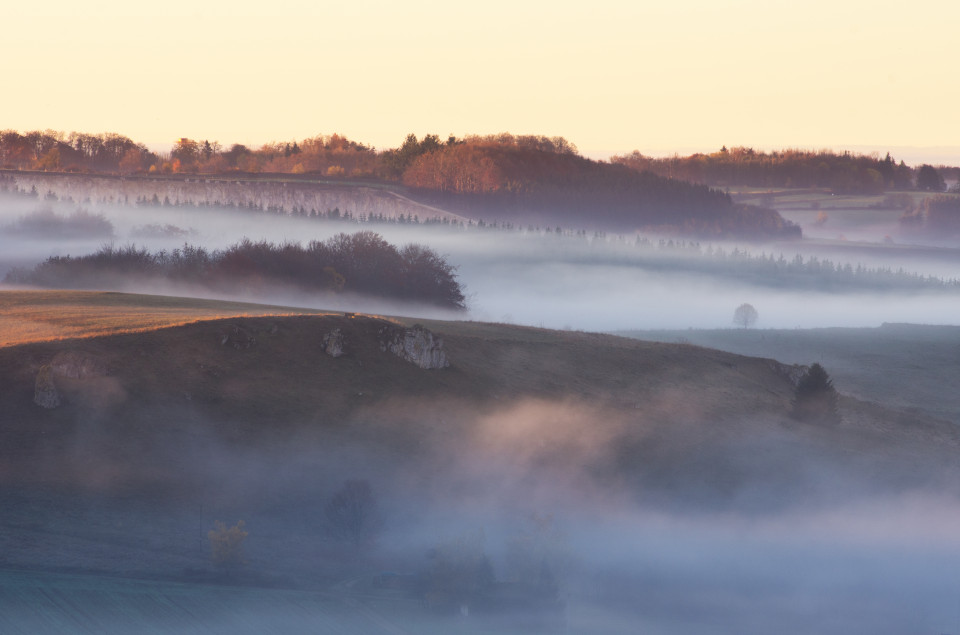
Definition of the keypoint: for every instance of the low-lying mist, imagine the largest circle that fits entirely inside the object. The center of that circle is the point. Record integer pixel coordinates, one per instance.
(577, 281)
(650, 518)
(712, 540)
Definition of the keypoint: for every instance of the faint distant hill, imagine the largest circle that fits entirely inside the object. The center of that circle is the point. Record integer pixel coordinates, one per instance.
(842, 173)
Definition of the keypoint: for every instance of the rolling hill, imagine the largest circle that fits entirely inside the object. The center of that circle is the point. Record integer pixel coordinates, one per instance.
(180, 413)
(236, 378)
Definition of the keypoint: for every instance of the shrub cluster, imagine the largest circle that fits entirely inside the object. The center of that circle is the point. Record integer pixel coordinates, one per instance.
(362, 263)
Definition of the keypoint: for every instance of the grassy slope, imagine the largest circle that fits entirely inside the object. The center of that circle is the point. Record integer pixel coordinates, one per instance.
(682, 423)
(33, 316)
(910, 367)
(173, 381)
(287, 379)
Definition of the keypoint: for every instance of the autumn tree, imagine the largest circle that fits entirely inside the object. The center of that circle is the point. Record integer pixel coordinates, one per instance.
(396, 161)
(226, 544)
(187, 152)
(15, 150)
(50, 161)
(131, 162)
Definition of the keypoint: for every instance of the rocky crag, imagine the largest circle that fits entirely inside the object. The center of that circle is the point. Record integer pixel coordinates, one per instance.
(416, 345)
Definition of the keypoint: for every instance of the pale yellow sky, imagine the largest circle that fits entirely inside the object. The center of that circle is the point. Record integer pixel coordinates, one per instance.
(609, 76)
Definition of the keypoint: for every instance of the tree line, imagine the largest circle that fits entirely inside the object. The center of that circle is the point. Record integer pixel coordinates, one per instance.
(840, 172)
(504, 177)
(471, 164)
(938, 215)
(798, 272)
(362, 262)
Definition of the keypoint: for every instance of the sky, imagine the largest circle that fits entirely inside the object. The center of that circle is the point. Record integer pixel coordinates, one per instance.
(610, 76)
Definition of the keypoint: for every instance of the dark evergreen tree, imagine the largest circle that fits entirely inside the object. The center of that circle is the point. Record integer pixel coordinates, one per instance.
(815, 398)
(929, 179)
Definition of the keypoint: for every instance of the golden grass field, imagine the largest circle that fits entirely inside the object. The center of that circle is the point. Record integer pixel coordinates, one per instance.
(39, 316)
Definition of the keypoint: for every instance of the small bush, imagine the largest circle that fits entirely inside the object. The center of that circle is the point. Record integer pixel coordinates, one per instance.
(226, 543)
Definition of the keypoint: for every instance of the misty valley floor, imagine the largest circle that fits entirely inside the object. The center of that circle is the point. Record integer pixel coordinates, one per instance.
(685, 497)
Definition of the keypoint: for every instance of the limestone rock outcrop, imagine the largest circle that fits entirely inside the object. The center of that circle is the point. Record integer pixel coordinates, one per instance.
(77, 365)
(333, 343)
(416, 345)
(45, 392)
(238, 338)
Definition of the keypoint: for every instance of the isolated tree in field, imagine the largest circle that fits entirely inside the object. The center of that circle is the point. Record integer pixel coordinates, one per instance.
(745, 316)
(815, 398)
(351, 513)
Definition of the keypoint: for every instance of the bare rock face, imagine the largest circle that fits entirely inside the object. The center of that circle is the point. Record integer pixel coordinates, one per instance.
(77, 365)
(333, 343)
(416, 345)
(45, 392)
(238, 338)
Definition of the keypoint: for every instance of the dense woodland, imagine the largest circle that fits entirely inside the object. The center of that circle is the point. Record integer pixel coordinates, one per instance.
(516, 178)
(509, 178)
(471, 164)
(362, 262)
(501, 177)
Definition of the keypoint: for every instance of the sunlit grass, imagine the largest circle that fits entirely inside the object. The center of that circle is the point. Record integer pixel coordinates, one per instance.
(35, 316)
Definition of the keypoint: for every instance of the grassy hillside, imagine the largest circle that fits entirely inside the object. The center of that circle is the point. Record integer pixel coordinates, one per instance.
(287, 377)
(904, 366)
(35, 316)
(622, 410)
(246, 417)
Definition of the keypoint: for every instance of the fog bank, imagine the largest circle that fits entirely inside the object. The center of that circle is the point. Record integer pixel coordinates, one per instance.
(540, 278)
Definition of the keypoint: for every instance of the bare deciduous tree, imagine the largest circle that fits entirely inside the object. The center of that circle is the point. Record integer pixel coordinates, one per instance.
(351, 513)
(745, 316)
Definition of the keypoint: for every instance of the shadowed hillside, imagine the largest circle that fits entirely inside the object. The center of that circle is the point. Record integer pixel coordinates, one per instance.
(644, 450)
(246, 381)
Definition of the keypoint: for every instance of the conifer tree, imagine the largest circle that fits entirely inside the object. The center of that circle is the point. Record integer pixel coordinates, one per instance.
(815, 398)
